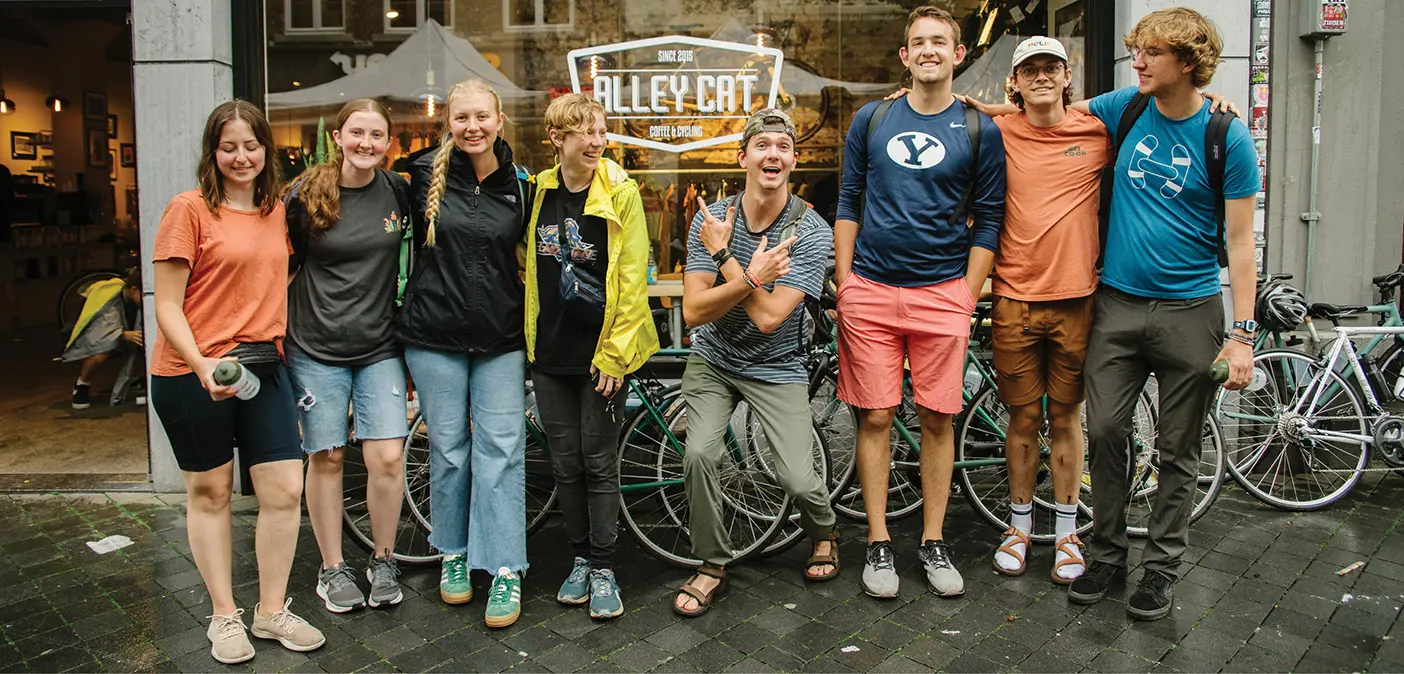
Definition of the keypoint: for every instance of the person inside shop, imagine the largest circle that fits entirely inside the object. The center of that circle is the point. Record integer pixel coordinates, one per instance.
(928, 190)
(109, 324)
(752, 260)
(462, 330)
(348, 219)
(588, 326)
(221, 271)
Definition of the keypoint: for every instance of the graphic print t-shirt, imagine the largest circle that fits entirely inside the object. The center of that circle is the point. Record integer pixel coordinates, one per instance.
(1162, 241)
(565, 345)
(341, 303)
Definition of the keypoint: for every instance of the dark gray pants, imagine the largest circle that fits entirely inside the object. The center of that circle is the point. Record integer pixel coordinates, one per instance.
(1133, 337)
(583, 437)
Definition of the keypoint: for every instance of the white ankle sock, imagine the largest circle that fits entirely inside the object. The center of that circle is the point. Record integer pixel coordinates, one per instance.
(1021, 518)
(1067, 526)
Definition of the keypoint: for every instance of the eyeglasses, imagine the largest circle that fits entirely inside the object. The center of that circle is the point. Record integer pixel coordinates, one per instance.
(1030, 71)
(1146, 55)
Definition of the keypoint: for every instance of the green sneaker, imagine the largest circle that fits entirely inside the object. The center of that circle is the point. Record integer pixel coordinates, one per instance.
(504, 599)
(454, 587)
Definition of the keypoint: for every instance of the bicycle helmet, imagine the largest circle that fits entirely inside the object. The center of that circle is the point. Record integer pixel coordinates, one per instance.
(1280, 307)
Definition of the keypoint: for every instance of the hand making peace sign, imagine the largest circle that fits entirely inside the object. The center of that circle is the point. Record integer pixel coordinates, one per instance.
(766, 265)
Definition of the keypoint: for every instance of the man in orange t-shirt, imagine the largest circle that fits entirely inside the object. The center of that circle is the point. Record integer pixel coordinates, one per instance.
(1045, 277)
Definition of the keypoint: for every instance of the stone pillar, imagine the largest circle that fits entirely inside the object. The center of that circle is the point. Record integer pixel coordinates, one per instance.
(182, 65)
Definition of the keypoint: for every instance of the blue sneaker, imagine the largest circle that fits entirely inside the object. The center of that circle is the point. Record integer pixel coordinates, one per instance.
(605, 601)
(576, 588)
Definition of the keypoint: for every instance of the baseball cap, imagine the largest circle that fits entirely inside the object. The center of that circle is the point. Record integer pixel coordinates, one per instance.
(1038, 45)
(769, 119)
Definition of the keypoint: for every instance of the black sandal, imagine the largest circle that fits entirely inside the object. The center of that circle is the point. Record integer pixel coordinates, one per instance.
(704, 601)
(831, 559)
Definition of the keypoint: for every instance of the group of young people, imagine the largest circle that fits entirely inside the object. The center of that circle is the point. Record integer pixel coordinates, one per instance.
(475, 272)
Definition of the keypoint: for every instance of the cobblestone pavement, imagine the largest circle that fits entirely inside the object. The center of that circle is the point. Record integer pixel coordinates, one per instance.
(1260, 593)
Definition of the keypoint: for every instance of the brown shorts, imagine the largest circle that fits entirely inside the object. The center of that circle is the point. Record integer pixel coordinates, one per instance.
(1040, 347)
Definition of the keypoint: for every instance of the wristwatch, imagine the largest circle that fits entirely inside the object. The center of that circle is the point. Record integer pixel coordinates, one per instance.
(1249, 326)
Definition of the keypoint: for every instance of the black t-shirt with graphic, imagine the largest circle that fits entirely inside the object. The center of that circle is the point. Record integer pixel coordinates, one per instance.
(565, 345)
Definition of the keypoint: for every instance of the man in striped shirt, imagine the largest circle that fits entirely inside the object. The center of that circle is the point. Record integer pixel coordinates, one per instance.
(752, 259)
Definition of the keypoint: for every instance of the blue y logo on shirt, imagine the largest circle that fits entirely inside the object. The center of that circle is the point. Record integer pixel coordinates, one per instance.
(915, 150)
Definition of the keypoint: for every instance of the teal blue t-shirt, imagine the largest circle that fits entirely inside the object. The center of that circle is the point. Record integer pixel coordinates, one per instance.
(1162, 241)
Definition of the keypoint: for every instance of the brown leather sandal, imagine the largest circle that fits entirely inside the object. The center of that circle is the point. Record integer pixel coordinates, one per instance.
(704, 600)
(1075, 555)
(817, 560)
(1013, 537)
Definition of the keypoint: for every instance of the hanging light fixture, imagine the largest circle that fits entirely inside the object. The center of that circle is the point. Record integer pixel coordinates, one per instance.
(765, 36)
(56, 103)
(7, 106)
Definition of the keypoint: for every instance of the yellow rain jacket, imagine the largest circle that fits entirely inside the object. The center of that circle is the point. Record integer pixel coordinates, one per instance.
(628, 337)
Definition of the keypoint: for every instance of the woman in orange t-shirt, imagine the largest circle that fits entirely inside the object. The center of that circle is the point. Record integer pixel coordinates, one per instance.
(221, 270)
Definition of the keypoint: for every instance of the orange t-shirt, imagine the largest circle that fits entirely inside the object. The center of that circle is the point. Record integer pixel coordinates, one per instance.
(1048, 246)
(238, 287)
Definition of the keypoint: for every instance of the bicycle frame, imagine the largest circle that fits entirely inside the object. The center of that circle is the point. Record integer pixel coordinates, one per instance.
(1316, 388)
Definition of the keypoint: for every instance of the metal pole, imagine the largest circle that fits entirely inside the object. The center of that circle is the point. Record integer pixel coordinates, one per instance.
(1312, 217)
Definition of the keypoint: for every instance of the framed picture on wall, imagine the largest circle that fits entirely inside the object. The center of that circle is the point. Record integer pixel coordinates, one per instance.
(95, 105)
(132, 211)
(112, 165)
(23, 145)
(128, 155)
(112, 126)
(97, 147)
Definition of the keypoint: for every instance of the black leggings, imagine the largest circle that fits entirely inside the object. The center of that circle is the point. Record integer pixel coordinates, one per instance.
(203, 432)
(583, 434)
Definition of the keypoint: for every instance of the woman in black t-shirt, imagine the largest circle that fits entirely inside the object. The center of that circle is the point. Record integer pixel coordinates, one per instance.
(586, 275)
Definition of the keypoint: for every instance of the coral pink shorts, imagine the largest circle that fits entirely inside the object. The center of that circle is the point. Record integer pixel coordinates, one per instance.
(881, 327)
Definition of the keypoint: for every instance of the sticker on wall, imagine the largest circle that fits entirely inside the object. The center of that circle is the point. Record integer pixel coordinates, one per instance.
(1260, 54)
(1262, 8)
(1260, 95)
(1258, 75)
(1260, 122)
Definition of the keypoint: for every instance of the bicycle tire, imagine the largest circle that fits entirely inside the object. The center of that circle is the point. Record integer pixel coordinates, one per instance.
(1144, 480)
(1287, 374)
(412, 547)
(70, 301)
(904, 495)
(657, 516)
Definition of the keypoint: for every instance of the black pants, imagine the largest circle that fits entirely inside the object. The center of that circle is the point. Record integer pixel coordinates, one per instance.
(1133, 337)
(582, 430)
(203, 432)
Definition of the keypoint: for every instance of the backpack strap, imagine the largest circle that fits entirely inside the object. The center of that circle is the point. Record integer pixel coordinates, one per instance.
(402, 201)
(972, 132)
(526, 190)
(878, 113)
(1216, 158)
(1129, 115)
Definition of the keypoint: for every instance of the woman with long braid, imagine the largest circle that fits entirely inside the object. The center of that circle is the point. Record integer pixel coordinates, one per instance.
(461, 326)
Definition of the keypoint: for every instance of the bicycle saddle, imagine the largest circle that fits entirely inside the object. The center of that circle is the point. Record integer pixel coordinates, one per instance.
(1327, 310)
(1391, 279)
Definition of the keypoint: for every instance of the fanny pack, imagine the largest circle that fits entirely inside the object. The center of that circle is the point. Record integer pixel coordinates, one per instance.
(253, 353)
(582, 297)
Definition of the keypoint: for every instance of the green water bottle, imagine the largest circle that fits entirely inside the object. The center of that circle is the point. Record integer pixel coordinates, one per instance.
(231, 373)
(1219, 371)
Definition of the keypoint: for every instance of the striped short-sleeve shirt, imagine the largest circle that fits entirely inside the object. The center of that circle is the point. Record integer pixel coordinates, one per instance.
(733, 343)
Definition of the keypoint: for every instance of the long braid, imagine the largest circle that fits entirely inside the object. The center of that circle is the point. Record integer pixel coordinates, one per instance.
(437, 183)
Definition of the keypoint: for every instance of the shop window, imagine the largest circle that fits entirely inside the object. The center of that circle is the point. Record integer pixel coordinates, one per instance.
(411, 14)
(538, 14)
(314, 15)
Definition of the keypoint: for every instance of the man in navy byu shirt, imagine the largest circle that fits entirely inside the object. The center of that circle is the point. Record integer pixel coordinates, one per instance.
(908, 279)
(1159, 308)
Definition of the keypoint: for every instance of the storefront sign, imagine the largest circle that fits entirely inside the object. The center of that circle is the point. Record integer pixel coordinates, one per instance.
(678, 93)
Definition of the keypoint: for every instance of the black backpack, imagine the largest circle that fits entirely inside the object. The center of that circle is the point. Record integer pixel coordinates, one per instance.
(1216, 157)
(972, 131)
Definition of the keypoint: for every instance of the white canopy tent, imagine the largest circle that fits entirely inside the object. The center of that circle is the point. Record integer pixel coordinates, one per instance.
(430, 60)
(797, 81)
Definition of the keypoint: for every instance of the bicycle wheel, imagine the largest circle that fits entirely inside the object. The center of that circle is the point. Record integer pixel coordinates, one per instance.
(654, 501)
(835, 422)
(984, 476)
(904, 470)
(411, 540)
(1145, 476)
(70, 301)
(1272, 432)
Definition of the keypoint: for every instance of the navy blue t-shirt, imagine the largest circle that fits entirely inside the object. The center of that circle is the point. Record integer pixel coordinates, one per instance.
(915, 177)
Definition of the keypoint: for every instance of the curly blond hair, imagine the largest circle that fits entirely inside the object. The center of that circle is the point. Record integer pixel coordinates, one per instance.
(572, 113)
(439, 176)
(1191, 37)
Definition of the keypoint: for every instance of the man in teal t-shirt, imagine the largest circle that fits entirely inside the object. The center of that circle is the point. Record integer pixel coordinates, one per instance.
(1159, 309)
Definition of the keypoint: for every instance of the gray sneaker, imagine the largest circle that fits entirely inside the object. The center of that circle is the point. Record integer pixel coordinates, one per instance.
(384, 577)
(229, 639)
(880, 572)
(337, 587)
(941, 575)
